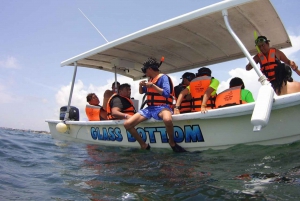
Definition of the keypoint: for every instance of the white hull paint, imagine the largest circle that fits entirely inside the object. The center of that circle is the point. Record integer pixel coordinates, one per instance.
(217, 129)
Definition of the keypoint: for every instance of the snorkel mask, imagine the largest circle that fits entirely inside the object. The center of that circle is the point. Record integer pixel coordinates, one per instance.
(261, 39)
(152, 63)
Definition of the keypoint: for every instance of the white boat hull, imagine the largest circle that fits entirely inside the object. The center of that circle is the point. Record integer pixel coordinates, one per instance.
(217, 129)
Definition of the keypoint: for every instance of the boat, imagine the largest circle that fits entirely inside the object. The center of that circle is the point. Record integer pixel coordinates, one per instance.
(210, 35)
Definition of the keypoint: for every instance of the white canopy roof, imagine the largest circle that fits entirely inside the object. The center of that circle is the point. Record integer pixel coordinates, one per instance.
(193, 40)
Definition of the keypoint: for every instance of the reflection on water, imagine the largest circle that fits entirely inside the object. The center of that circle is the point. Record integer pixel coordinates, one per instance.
(36, 167)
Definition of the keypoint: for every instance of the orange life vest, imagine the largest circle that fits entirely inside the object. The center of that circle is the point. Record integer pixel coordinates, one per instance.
(229, 97)
(198, 86)
(154, 98)
(92, 112)
(186, 105)
(268, 65)
(129, 111)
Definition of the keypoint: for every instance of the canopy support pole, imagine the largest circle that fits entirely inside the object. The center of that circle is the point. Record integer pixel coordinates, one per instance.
(116, 85)
(264, 102)
(71, 92)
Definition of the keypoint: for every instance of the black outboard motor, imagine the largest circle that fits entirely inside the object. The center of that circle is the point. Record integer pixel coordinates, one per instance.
(73, 114)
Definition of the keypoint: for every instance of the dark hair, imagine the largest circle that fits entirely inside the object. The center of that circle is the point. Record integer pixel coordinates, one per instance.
(283, 74)
(122, 86)
(151, 63)
(203, 71)
(113, 84)
(89, 97)
(236, 81)
(188, 75)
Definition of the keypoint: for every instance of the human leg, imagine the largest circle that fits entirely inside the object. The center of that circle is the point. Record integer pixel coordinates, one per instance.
(166, 116)
(130, 124)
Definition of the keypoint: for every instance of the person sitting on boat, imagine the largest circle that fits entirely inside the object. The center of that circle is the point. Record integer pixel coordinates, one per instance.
(186, 104)
(120, 106)
(284, 83)
(108, 93)
(269, 58)
(159, 91)
(94, 111)
(235, 95)
(203, 91)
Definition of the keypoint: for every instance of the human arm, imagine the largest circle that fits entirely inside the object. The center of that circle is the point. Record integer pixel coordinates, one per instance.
(106, 96)
(116, 113)
(179, 100)
(249, 66)
(206, 96)
(248, 97)
(280, 55)
(117, 106)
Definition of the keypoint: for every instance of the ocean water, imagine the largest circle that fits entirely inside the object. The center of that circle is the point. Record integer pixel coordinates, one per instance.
(37, 167)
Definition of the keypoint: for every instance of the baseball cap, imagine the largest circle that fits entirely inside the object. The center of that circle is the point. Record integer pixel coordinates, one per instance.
(188, 75)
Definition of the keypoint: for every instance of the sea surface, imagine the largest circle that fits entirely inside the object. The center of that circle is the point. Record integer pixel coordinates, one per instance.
(37, 167)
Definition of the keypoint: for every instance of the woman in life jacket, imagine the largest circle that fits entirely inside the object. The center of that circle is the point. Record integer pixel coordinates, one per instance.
(235, 95)
(284, 83)
(270, 58)
(203, 91)
(120, 106)
(186, 104)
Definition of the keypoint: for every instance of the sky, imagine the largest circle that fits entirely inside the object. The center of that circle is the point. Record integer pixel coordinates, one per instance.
(36, 36)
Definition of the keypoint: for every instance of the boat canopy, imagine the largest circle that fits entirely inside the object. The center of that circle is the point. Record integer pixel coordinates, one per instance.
(192, 40)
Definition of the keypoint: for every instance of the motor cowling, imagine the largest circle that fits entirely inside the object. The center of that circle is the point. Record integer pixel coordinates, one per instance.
(73, 113)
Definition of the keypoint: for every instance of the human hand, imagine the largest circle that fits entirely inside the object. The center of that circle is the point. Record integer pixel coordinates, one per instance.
(149, 84)
(142, 83)
(203, 109)
(293, 65)
(176, 111)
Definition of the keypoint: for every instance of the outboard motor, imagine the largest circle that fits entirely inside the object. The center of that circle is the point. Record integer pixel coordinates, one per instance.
(73, 114)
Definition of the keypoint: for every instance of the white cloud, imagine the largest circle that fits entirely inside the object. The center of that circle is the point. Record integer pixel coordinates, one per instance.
(291, 52)
(249, 78)
(80, 92)
(10, 62)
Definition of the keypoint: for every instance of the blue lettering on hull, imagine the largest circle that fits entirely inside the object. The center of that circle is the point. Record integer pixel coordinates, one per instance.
(187, 134)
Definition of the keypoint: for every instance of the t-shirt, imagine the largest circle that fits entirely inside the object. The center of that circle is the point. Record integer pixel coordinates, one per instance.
(119, 102)
(214, 83)
(246, 96)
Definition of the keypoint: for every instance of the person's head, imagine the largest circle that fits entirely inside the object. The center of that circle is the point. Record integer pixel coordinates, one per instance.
(125, 90)
(92, 99)
(187, 78)
(236, 81)
(263, 44)
(150, 67)
(113, 86)
(203, 72)
(283, 74)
